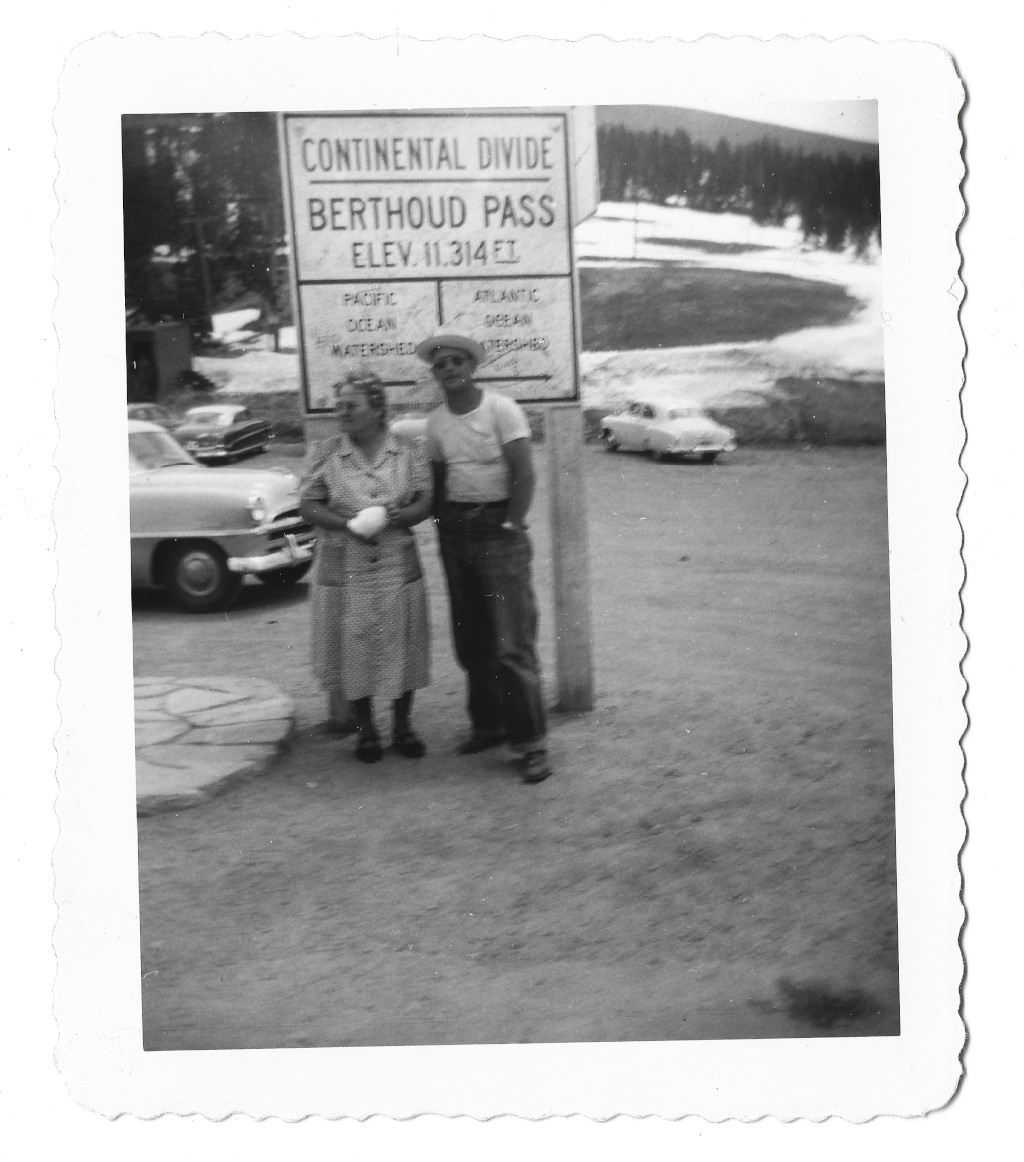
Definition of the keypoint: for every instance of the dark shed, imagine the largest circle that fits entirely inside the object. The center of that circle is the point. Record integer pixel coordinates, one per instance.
(157, 355)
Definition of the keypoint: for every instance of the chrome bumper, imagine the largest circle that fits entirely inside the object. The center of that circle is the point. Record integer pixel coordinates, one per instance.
(292, 554)
(698, 449)
(201, 453)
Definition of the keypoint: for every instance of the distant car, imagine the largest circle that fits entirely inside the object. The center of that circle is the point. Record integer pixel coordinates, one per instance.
(410, 429)
(197, 531)
(664, 430)
(218, 433)
(153, 413)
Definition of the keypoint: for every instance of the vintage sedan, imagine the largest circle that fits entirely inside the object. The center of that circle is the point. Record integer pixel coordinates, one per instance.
(667, 430)
(198, 531)
(218, 433)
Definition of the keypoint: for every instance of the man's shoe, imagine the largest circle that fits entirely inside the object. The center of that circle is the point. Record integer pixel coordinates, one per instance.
(536, 767)
(478, 742)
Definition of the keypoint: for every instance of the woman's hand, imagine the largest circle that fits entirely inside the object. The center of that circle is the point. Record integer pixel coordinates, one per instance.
(405, 516)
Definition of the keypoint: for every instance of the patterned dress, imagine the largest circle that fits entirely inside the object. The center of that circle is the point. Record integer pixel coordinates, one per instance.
(371, 636)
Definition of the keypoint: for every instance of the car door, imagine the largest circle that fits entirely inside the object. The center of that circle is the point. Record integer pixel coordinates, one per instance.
(648, 417)
(144, 523)
(631, 428)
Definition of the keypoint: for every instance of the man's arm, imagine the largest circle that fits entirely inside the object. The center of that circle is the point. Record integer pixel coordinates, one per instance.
(440, 473)
(522, 479)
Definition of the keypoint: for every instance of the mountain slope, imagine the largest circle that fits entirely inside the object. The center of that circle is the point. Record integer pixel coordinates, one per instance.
(707, 128)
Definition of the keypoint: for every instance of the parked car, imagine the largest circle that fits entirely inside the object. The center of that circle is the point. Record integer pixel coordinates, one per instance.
(152, 413)
(410, 429)
(663, 430)
(197, 531)
(218, 433)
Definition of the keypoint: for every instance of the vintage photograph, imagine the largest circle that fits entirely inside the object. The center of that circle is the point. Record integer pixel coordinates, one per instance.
(510, 575)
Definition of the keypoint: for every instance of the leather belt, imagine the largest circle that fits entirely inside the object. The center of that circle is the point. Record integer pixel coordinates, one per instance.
(476, 504)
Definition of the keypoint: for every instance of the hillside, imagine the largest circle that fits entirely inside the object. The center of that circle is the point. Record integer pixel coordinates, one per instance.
(708, 129)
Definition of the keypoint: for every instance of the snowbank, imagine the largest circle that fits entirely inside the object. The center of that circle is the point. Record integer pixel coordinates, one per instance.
(255, 372)
(850, 351)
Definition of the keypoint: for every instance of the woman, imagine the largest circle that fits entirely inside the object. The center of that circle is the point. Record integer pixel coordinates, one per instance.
(366, 491)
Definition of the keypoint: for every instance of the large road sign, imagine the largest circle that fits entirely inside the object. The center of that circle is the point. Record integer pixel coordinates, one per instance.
(406, 224)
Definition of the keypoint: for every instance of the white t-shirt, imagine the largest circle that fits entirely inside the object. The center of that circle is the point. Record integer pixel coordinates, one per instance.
(471, 446)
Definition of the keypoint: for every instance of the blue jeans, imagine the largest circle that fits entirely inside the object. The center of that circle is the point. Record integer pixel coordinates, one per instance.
(494, 623)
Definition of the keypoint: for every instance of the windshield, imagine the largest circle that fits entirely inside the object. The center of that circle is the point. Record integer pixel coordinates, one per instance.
(148, 450)
(208, 419)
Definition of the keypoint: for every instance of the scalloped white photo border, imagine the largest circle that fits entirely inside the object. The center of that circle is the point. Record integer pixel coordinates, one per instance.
(97, 992)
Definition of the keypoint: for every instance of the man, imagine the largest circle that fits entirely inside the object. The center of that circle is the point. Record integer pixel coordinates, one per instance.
(479, 447)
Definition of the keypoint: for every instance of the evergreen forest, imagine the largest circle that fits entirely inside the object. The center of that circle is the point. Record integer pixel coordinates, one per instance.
(836, 197)
(204, 227)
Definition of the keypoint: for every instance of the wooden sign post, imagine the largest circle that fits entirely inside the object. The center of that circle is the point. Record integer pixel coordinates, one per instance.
(406, 224)
(570, 557)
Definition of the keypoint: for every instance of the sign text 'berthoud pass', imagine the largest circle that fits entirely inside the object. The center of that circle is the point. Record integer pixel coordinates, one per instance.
(407, 225)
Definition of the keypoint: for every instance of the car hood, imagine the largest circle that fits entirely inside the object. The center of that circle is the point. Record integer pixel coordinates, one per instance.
(192, 431)
(277, 487)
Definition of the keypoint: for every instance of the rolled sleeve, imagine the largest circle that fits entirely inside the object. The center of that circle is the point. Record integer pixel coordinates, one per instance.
(313, 484)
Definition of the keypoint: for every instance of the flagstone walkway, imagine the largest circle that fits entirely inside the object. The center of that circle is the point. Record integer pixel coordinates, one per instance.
(195, 737)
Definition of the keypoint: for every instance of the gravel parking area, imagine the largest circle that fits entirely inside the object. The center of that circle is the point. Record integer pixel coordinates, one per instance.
(715, 857)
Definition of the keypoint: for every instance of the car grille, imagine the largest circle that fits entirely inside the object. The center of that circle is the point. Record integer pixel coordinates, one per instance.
(290, 522)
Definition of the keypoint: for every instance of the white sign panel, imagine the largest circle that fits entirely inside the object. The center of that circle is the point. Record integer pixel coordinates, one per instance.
(407, 224)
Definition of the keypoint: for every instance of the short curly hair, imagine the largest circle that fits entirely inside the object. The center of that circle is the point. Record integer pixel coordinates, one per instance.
(371, 385)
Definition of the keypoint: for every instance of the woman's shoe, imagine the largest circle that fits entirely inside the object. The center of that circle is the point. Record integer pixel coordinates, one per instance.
(368, 747)
(410, 744)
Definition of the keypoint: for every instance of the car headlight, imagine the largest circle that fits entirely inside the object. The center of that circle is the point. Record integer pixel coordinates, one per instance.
(257, 509)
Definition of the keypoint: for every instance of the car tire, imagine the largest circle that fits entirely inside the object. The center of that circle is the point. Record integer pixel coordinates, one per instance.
(278, 578)
(709, 457)
(610, 443)
(196, 575)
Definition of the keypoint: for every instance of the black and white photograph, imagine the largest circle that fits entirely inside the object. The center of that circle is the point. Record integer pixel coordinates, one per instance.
(510, 579)
(720, 743)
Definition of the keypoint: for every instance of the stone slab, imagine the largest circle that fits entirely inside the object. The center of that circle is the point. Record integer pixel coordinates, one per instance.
(191, 699)
(179, 756)
(266, 730)
(154, 687)
(197, 737)
(145, 712)
(243, 687)
(277, 707)
(150, 733)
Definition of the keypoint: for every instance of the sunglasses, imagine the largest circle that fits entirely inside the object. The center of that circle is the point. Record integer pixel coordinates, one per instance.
(449, 361)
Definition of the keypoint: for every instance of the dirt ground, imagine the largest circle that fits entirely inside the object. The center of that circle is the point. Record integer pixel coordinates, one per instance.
(715, 857)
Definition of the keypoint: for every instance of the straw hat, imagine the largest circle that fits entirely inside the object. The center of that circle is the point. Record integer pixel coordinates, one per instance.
(471, 347)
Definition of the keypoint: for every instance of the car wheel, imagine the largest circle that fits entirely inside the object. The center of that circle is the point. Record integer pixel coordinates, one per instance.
(610, 443)
(278, 578)
(709, 457)
(196, 575)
